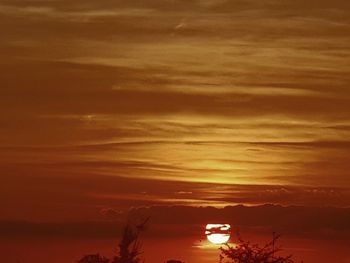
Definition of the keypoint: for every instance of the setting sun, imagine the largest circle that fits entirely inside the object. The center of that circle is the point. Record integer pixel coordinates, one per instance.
(218, 233)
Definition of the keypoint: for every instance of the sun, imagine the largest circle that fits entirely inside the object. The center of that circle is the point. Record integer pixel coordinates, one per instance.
(218, 233)
(218, 239)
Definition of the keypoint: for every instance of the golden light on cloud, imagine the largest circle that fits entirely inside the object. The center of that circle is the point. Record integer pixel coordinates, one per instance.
(218, 233)
(222, 107)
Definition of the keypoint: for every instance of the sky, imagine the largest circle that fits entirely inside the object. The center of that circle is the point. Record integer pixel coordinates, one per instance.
(111, 105)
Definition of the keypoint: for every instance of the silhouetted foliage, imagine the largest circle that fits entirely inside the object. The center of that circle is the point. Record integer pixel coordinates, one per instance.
(130, 245)
(95, 258)
(174, 261)
(245, 252)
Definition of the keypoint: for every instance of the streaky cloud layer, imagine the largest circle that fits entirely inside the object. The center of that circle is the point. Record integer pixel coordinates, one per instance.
(215, 102)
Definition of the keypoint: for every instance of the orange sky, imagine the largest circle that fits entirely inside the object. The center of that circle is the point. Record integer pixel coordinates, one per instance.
(116, 104)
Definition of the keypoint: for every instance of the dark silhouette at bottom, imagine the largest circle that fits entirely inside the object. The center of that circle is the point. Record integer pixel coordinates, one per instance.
(244, 252)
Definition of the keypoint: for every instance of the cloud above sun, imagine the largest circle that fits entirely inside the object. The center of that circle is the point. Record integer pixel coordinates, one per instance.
(228, 93)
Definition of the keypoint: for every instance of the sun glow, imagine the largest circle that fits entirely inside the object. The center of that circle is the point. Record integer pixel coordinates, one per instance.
(218, 233)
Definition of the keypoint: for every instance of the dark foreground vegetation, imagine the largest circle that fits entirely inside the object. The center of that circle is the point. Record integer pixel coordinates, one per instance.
(243, 252)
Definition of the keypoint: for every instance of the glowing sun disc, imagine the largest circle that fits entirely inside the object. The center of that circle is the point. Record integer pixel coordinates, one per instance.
(218, 233)
(218, 239)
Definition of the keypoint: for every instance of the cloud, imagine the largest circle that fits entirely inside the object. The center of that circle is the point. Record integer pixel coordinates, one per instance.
(294, 221)
(64, 192)
(90, 89)
(184, 221)
(194, 92)
(111, 213)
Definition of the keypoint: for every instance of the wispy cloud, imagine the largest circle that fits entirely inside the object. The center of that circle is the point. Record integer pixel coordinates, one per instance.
(228, 92)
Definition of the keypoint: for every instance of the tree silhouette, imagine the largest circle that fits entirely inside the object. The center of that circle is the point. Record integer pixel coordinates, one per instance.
(174, 261)
(130, 245)
(95, 258)
(246, 252)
